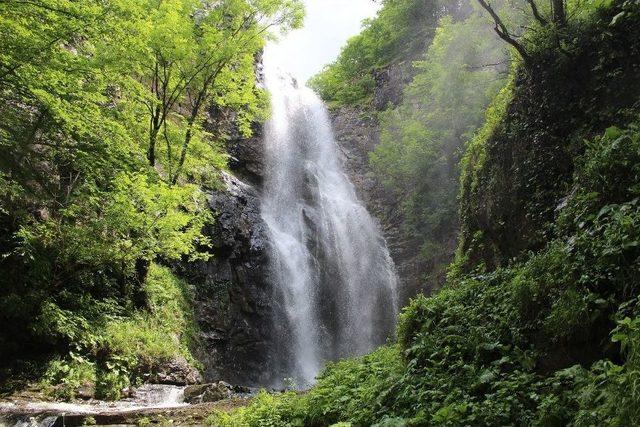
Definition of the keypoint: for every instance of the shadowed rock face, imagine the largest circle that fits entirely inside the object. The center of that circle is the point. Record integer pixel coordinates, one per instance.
(233, 296)
(232, 293)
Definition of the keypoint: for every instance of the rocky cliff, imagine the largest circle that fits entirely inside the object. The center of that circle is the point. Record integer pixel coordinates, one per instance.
(234, 299)
(233, 296)
(357, 133)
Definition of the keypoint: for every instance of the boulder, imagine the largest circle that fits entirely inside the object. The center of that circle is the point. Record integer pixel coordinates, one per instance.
(205, 393)
(176, 371)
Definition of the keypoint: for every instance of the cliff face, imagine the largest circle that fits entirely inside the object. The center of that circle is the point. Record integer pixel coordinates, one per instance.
(233, 296)
(518, 181)
(357, 133)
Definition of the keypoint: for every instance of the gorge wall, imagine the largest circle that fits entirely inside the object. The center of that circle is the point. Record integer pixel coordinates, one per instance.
(234, 297)
(357, 131)
(233, 294)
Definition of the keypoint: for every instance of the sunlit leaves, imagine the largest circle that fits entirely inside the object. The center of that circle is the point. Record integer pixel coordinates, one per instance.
(82, 213)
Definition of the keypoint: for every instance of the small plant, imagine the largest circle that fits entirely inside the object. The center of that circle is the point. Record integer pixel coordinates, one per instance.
(64, 377)
(289, 383)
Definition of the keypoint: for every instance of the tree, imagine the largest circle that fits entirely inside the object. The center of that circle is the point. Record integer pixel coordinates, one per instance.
(558, 18)
(205, 53)
(85, 86)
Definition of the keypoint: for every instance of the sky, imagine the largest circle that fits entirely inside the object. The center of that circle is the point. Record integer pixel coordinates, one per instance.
(328, 24)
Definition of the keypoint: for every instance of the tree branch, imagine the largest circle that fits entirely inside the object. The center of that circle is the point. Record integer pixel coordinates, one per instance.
(536, 13)
(503, 32)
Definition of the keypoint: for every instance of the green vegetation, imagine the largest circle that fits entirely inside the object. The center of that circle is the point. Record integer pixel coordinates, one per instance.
(125, 348)
(542, 333)
(104, 157)
(422, 138)
(401, 30)
(104, 154)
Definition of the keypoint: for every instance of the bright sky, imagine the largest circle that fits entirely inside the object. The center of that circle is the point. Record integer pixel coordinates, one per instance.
(328, 25)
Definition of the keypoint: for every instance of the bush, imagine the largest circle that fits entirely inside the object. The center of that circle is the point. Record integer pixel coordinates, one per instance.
(163, 331)
(63, 377)
(124, 348)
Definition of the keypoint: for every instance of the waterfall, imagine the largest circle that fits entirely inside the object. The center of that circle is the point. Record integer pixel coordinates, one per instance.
(334, 278)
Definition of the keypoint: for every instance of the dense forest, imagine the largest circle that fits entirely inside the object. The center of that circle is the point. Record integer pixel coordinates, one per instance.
(105, 154)
(511, 152)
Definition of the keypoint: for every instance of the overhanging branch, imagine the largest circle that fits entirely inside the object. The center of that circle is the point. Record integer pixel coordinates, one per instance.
(503, 32)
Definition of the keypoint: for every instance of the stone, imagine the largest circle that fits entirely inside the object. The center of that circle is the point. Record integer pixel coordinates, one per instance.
(233, 296)
(86, 391)
(206, 393)
(357, 134)
(176, 371)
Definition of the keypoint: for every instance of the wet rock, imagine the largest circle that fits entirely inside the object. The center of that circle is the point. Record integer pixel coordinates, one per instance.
(233, 297)
(390, 83)
(86, 391)
(246, 154)
(205, 393)
(174, 372)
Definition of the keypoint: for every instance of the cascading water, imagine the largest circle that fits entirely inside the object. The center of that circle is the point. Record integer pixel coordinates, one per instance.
(334, 278)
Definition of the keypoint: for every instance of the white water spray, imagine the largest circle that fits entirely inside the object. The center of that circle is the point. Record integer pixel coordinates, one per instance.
(335, 280)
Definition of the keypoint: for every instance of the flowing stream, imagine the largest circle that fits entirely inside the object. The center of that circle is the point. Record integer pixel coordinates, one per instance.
(335, 280)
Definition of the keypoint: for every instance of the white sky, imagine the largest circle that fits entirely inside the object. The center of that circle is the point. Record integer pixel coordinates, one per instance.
(328, 24)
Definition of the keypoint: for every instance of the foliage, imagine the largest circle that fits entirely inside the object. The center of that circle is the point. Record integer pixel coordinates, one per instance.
(118, 351)
(86, 90)
(421, 139)
(400, 30)
(350, 390)
(265, 410)
(518, 172)
(353, 390)
(63, 378)
(161, 332)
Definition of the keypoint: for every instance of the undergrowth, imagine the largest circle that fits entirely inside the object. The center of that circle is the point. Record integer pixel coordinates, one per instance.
(119, 352)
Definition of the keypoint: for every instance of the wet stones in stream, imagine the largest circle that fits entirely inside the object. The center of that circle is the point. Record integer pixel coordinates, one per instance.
(214, 392)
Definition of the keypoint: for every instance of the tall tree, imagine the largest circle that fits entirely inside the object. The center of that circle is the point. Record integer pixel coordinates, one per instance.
(206, 53)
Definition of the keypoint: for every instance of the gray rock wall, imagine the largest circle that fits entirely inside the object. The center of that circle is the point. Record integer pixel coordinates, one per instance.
(233, 297)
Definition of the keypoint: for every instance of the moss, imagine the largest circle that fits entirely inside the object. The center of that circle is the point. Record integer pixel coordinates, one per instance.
(519, 167)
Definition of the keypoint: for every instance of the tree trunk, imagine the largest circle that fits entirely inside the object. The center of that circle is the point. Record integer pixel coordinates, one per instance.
(151, 153)
(559, 13)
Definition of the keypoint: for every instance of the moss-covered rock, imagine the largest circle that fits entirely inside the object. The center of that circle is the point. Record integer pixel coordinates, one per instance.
(519, 170)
